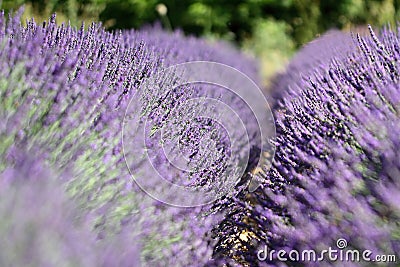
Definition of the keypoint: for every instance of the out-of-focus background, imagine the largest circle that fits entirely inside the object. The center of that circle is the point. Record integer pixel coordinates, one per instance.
(271, 30)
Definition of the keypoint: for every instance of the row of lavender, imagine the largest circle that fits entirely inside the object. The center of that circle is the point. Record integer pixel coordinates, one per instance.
(67, 197)
(336, 171)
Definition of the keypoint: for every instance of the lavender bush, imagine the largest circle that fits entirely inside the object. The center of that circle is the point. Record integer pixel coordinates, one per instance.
(64, 91)
(336, 172)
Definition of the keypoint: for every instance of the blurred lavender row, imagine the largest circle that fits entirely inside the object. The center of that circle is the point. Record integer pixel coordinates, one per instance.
(64, 92)
(41, 227)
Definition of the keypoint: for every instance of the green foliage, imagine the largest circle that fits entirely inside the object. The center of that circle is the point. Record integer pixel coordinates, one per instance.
(239, 19)
(272, 28)
(229, 19)
(272, 44)
(128, 13)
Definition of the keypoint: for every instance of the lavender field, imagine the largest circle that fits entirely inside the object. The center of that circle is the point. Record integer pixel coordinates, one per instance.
(68, 182)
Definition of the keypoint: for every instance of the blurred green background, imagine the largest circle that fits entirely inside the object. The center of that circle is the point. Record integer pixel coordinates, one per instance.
(270, 30)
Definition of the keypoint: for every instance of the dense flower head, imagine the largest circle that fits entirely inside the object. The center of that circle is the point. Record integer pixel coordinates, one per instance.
(336, 171)
(65, 91)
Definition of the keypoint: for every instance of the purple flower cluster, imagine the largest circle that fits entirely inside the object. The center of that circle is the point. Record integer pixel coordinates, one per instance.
(64, 92)
(336, 169)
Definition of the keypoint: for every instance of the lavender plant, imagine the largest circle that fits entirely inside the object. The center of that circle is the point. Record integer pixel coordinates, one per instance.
(335, 172)
(65, 91)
